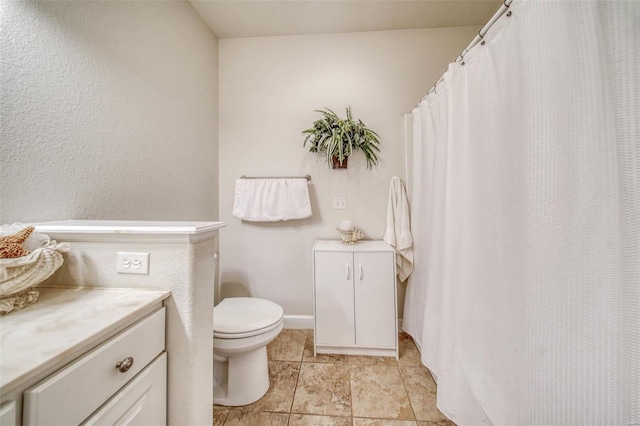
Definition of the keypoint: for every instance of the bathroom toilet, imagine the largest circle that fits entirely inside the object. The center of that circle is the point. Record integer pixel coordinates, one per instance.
(242, 328)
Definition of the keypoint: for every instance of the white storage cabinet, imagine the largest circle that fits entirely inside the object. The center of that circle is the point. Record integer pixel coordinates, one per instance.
(355, 307)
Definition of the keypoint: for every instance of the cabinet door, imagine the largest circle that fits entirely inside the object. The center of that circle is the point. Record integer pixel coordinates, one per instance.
(334, 299)
(8, 414)
(142, 402)
(375, 300)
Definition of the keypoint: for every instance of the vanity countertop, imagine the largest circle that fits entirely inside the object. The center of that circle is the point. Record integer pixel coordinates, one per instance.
(63, 322)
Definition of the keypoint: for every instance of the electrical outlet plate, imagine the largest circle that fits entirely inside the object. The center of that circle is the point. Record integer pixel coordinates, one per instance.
(339, 203)
(133, 263)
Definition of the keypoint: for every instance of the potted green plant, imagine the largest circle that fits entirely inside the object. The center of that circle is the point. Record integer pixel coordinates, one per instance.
(339, 138)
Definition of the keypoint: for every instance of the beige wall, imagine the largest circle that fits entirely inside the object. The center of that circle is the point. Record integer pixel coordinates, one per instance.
(108, 111)
(269, 88)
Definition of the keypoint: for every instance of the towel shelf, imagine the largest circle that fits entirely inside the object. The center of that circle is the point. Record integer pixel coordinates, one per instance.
(307, 177)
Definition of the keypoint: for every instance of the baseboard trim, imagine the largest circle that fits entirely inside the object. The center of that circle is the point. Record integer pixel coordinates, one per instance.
(298, 321)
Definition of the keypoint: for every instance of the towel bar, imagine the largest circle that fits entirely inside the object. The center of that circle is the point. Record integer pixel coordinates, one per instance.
(307, 177)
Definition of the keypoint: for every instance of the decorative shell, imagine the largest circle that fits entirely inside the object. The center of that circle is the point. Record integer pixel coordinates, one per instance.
(345, 226)
(18, 275)
(351, 237)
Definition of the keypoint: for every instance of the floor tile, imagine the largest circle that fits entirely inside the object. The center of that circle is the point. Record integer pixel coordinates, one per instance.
(283, 376)
(387, 361)
(422, 393)
(323, 389)
(288, 346)
(382, 422)
(238, 417)
(308, 353)
(312, 420)
(328, 389)
(377, 391)
(219, 416)
(409, 355)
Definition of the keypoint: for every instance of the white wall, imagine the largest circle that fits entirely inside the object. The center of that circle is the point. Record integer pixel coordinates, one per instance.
(108, 111)
(269, 88)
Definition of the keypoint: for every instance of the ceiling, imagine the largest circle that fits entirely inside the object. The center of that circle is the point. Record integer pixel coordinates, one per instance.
(242, 18)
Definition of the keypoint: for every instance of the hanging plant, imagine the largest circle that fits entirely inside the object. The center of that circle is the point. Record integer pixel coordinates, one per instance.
(339, 138)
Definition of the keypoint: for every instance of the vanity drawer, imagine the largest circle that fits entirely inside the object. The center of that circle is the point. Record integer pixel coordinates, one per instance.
(142, 402)
(70, 395)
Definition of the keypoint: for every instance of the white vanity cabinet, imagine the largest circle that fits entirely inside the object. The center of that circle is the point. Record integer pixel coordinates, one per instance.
(355, 308)
(90, 357)
(87, 383)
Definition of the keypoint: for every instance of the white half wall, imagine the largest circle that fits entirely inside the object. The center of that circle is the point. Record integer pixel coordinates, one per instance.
(188, 271)
(108, 111)
(269, 89)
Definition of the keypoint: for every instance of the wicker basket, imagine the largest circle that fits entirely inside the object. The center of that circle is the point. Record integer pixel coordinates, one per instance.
(19, 275)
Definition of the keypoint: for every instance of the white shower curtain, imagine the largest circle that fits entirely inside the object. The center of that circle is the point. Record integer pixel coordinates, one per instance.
(525, 296)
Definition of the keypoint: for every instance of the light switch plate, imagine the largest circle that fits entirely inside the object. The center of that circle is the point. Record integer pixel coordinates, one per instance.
(133, 263)
(339, 203)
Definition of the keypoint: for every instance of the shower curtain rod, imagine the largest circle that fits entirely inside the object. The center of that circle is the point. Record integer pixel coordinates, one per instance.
(477, 39)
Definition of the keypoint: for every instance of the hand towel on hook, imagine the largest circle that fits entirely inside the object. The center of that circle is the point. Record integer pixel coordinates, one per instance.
(271, 200)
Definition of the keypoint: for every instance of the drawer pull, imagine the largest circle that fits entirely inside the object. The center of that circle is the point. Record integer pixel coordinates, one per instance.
(125, 364)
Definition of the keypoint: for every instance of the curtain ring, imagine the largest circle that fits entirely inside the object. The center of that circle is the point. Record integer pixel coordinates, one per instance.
(509, 13)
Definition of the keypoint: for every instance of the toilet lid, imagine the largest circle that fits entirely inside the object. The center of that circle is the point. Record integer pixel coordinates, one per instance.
(239, 315)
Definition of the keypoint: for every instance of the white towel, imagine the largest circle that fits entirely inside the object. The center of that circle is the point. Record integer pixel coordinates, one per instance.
(271, 200)
(398, 233)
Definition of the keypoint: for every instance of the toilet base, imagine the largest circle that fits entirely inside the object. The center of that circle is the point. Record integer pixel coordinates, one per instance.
(243, 378)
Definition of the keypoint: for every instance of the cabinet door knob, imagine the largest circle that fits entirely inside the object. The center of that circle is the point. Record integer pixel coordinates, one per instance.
(124, 365)
(348, 271)
(361, 273)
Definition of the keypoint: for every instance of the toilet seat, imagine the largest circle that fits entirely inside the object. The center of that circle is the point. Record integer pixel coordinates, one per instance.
(240, 317)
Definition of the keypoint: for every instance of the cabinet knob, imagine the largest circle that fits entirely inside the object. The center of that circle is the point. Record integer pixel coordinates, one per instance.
(124, 365)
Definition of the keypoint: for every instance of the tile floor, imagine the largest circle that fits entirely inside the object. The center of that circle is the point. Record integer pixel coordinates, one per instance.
(339, 390)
